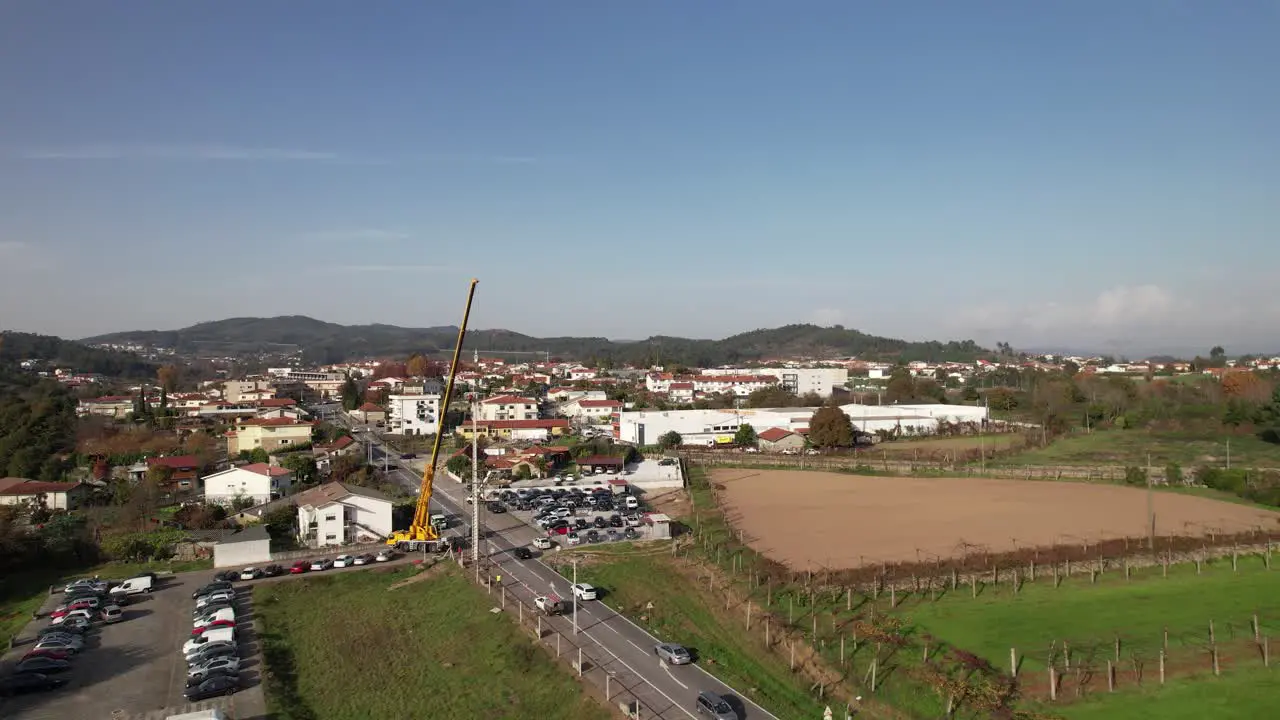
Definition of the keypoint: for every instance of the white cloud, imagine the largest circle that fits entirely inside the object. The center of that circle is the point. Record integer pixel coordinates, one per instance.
(174, 152)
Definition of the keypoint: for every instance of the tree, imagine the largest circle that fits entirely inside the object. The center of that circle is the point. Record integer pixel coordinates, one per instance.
(746, 436)
(167, 377)
(1070, 369)
(902, 386)
(1245, 386)
(459, 465)
(830, 427)
(350, 394)
(302, 466)
(417, 366)
(256, 455)
(772, 396)
(669, 440)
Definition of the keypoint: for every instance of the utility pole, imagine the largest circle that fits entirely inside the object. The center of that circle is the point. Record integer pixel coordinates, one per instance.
(475, 484)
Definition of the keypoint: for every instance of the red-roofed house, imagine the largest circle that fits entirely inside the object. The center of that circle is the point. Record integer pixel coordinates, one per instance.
(777, 440)
(680, 392)
(370, 413)
(54, 495)
(509, 407)
(259, 482)
(184, 470)
(517, 429)
(267, 433)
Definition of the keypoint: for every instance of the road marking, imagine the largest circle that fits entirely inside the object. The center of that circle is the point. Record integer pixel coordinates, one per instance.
(613, 629)
(673, 677)
(633, 643)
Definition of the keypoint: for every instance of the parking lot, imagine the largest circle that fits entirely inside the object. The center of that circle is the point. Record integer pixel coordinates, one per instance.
(583, 522)
(134, 669)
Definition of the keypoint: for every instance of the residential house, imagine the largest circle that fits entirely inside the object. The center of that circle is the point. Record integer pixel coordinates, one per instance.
(413, 414)
(590, 410)
(777, 439)
(369, 413)
(53, 495)
(259, 481)
(184, 471)
(258, 395)
(582, 373)
(267, 433)
(241, 390)
(681, 392)
(529, 430)
(509, 407)
(249, 546)
(113, 406)
(336, 513)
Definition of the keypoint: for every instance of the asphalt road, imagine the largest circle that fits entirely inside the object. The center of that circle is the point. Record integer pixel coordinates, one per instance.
(615, 643)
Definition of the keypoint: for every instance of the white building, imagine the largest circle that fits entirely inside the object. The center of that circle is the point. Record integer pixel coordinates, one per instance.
(334, 513)
(508, 407)
(705, 427)
(798, 380)
(245, 548)
(413, 414)
(260, 482)
(590, 410)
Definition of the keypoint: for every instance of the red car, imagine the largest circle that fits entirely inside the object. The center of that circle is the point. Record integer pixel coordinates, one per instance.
(214, 624)
(48, 653)
(562, 530)
(300, 567)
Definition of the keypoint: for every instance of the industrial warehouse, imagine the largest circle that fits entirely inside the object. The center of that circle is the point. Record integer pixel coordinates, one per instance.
(708, 427)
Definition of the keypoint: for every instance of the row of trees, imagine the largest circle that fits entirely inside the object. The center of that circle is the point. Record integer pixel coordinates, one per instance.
(37, 426)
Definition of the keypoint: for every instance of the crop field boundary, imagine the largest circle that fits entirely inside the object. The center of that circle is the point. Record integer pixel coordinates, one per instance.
(846, 622)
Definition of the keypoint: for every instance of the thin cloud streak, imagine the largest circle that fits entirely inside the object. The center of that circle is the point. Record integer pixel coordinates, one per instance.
(199, 152)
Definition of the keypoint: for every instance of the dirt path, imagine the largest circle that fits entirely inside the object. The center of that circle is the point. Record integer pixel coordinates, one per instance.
(832, 520)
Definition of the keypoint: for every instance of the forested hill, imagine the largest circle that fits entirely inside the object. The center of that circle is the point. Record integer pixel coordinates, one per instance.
(16, 347)
(325, 342)
(37, 426)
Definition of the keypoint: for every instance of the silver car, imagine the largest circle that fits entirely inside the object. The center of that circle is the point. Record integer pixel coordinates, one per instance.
(714, 706)
(227, 664)
(673, 654)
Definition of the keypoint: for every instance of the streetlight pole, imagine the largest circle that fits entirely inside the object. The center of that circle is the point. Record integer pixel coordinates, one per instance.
(574, 592)
(475, 486)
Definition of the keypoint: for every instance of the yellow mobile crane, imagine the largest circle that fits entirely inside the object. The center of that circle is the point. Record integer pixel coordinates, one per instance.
(420, 532)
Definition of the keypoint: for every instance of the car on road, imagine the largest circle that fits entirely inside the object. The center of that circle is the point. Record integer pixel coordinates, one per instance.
(321, 564)
(227, 576)
(543, 543)
(344, 561)
(250, 573)
(584, 591)
(300, 567)
(29, 682)
(364, 559)
(714, 706)
(213, 687)
(272, 571)
(384, 556)
(673, 654)
(522, 553)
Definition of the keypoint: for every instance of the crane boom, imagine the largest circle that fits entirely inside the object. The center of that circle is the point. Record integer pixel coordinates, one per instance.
(420, 530)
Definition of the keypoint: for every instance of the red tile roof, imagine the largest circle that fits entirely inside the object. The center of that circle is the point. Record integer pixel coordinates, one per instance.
(510, 400)
(177, 462)
(517, 424)
(264, 469)
(33, 487)
(274, 422)
(598, 403)
(774, 434)
(370, 407)
(110, 399)
(680, 386)
(602, 460)
(277, 402)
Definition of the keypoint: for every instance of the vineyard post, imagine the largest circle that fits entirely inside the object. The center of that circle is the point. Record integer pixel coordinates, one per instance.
(1162, 667)
(1053, 682)
(1013, 661)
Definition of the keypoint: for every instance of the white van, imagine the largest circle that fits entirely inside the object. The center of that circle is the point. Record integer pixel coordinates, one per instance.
(133, 586)
(632, 503)
(222, 634)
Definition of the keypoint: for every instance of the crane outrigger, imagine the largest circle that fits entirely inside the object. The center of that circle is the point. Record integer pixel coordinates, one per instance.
(421, 534)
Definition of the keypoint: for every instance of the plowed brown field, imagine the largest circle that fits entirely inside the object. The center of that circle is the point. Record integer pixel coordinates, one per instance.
(835, 521)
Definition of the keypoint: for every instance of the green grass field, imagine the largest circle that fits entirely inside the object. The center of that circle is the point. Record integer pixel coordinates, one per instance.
(1131, 447)
(347, 647)
(684, 615)
(23, 593)
(1090, 617)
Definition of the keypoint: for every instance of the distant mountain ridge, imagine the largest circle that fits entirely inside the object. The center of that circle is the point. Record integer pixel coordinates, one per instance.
(325, 342)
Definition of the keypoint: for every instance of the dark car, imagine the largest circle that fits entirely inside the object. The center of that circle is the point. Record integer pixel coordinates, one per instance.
(593, 536)
(227, 576)
(200, 680)
(497, 507)
(522, 553)
(272, 571)
(29, 682)
(408, 456)
(600, 522)
(581, 524)
(213, 587)
(630, 534)
(616, 521)
(213, 687)
(42, 665)
(56, 629)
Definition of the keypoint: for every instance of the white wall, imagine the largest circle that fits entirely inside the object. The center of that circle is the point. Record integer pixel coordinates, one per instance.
(226, 486)
(508, 411)
(413, 414)
(333, 519)
(241, 554)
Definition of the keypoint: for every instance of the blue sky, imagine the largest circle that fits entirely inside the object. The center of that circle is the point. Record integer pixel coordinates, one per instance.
(1094, 174)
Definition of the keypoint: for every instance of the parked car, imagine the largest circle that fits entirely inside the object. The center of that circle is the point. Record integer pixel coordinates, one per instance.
(225, 664)
(631, 534)
(250, 573)
(385, 556)
(593, 536)
(673, 654)
(210, 588)
(543, 543)
(344, 561)
(111, 614)
(300, 567)
(227, 576)
(321, 564)
(208, 650)
(272, 571)
(48, 653)
(46, 666)
(522, 553)
(221, 596)
(364, 559)
(21, 683)
(211, 624)
(71, 616)
(197, 681)
(213, 687)
(584, 591)
(65, 646)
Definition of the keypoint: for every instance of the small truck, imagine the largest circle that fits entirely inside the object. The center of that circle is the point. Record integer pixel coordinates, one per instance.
(552, 605)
